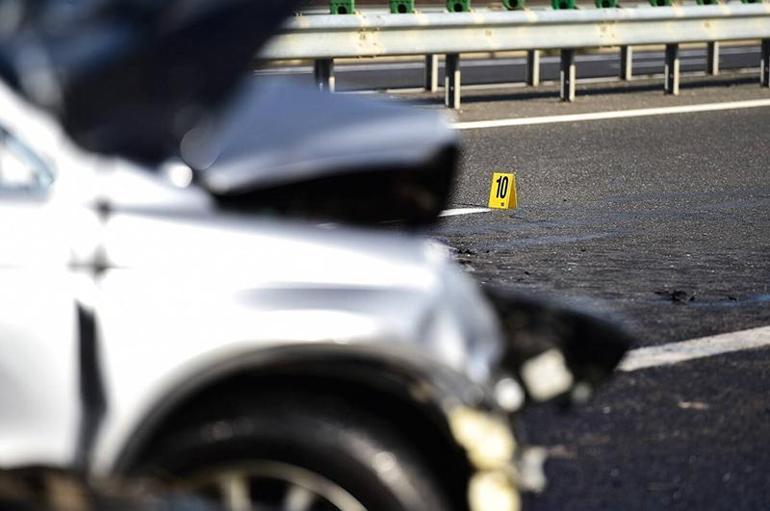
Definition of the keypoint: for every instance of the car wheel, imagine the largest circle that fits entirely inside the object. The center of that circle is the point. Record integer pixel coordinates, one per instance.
(298, 453)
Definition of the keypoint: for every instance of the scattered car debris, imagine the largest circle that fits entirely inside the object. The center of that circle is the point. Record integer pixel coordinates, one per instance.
(693, 405)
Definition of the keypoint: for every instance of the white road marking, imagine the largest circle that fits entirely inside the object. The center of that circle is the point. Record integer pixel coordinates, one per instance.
(618, 114)
(677, 352)
(463, 211)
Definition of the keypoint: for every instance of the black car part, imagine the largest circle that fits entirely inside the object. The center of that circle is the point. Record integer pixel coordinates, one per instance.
(131, 77)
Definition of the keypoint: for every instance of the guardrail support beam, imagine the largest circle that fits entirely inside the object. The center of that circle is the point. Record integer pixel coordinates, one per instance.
(323, 72)
(712, 58)
(431, 73)
(452, 81)
(671, 70)
(626, 63)
(567, 75)
(533, 67)
(764, 66)
(377, 35)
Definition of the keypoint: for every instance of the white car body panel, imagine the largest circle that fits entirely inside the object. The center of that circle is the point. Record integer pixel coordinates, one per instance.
(184, 287)
(39, 398)
(271, 284)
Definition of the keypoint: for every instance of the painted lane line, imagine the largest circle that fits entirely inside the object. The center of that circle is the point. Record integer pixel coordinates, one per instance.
(463, 211)
(677, 352)
(618, 114)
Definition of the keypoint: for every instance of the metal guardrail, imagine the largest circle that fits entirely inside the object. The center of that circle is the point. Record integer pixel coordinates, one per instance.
(325, 37)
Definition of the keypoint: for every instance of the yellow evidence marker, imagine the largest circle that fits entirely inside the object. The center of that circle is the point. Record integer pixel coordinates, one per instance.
(502, 195)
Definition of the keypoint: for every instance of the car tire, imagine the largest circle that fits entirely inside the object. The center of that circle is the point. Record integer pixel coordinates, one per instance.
(350, 459)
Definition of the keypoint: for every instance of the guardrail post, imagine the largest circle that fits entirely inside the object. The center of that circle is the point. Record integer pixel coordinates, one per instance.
(323, 72)
(764, 66)
(452, 81)
(671, 69)
(533, 67)
(712, 58)
(323, 69)
(431, 73)
(567, 75)
(626, 63)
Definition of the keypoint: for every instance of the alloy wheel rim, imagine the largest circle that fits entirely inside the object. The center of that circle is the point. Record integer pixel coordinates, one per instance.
(257, 486)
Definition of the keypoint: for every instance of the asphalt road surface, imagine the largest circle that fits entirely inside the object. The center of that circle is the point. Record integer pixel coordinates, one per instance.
(662, 222)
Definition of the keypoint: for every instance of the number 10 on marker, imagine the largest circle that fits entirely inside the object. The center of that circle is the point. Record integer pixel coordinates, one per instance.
(502, 194)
